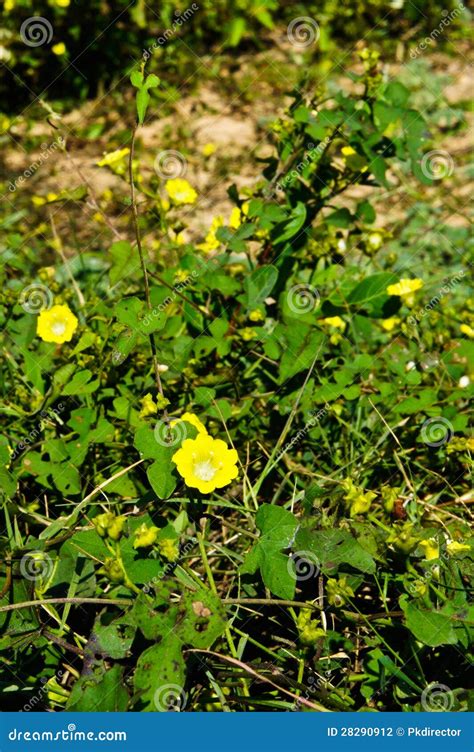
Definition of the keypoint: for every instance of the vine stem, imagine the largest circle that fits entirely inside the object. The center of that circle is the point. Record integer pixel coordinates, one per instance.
(77, 601)
(245, 667)
(134, 206)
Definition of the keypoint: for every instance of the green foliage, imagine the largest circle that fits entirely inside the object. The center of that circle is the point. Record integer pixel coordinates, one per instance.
(297, 341)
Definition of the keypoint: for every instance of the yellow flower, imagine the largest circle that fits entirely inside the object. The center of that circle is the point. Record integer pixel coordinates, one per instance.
(308, 630)
(430, 548)
(461, 444)
(247, 333)
(108, 525)
(9, 5)
(390, 324)
(211, 243)
(181, 275)
(62, 3)
(58, 49)
(206, 463)
(467, 330)
(335, 321)
(148, 406)
(190, 418)
(235, 219)
(145, 536)
(169, 549)
(208, 149)
(405, 289)
(113, 158)
(47, 272)
(375, 240)
(402, 538)
(57, 324)
(180, 191)
(178, 237)
(257, 315)
(359, 501)
(454, 548)
(115, 529)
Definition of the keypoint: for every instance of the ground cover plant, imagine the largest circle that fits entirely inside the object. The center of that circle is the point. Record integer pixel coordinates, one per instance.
(235, 387)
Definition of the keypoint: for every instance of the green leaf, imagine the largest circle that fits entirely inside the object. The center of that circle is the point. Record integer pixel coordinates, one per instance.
(102, 688)
(124, 263)
(259, 285)
(236, 31)
(365, 212)
(160, 676)
(160, 474)
(371, 295)
(81, 383)
(300, 353)
(276, 524)
(434, 627)
(333, 549)
(292, 225)
(201, 619)
(340, 218)
(113, 640)
(278, 527)
(128, 311)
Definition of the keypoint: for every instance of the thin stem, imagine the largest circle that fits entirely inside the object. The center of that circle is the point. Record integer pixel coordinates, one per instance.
(143, 266)
(76, 601)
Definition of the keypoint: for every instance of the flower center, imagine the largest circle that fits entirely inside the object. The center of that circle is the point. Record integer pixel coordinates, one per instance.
(204, 470)
(59, 327)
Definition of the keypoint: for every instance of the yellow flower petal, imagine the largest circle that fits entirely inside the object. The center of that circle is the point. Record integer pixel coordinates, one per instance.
(430, 548)
(190, 418)
(390, 324)
(406, 287)
(206, 463)
(180, 191)
(57, 324)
